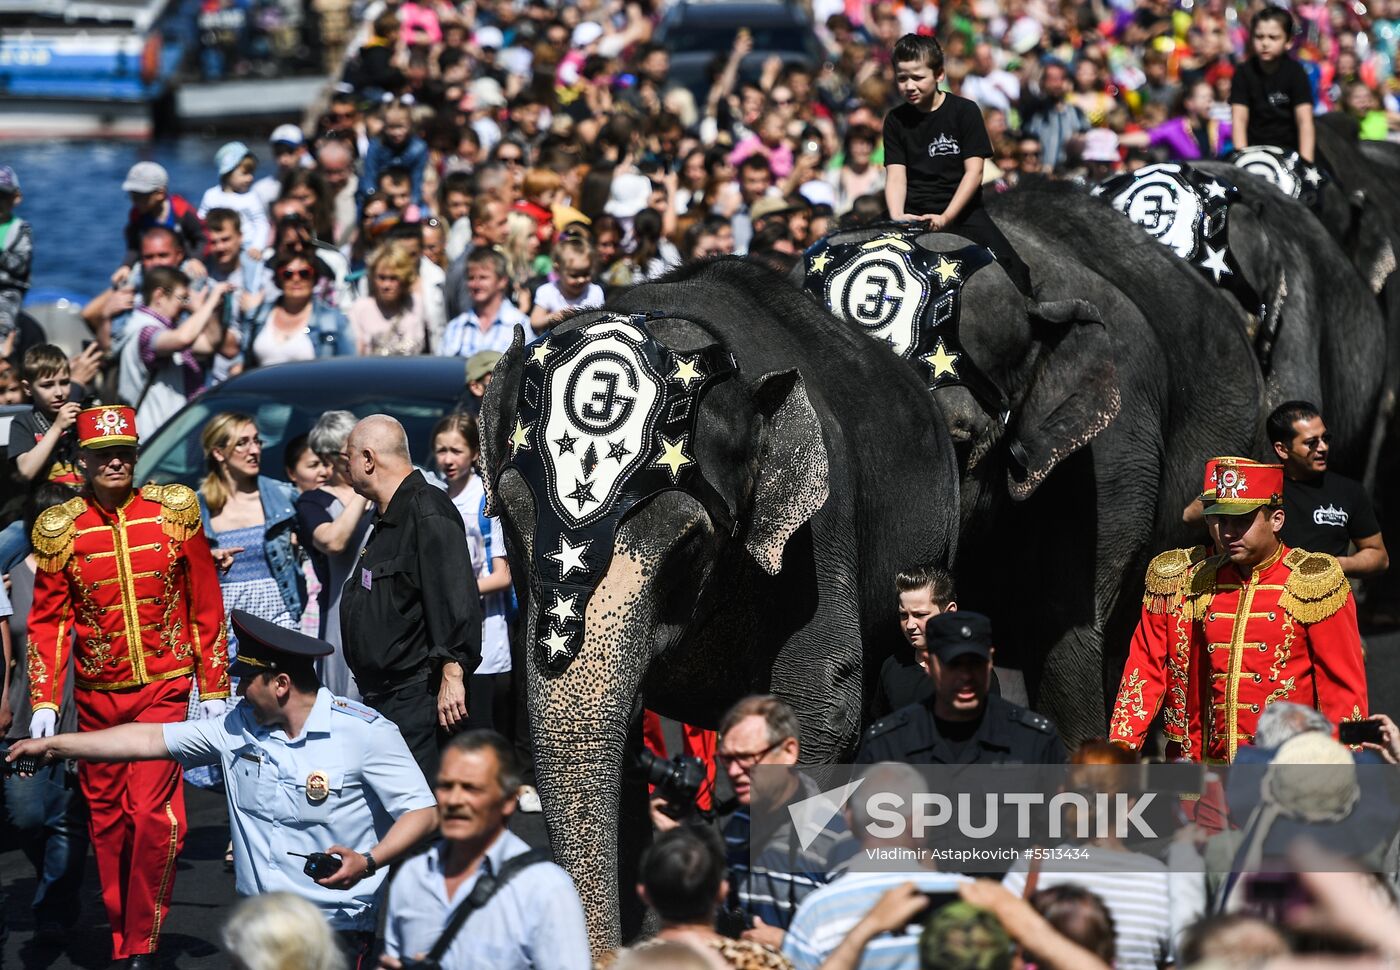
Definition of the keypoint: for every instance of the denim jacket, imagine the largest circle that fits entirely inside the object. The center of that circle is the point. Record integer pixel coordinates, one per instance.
(279, 523)
(330, 331)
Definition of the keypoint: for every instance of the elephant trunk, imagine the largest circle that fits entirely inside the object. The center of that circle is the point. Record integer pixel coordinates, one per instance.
(580, 721)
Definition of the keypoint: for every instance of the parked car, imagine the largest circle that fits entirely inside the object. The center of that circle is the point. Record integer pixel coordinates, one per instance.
(696, 33)
(285, 400)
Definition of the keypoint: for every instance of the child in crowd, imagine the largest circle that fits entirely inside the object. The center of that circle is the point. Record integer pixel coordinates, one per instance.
(456, 445)
(571, 284)
(307, 472)
(43, 444)
(542, 191)
(935, 147)
(237, 165)
(1271, 100)
(147, 185)
(396, 147)
(16, 254)
(395, 186)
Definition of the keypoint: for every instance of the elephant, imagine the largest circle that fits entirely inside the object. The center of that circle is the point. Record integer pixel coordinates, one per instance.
(819, 467)
(1331, 342)
(1124, 373)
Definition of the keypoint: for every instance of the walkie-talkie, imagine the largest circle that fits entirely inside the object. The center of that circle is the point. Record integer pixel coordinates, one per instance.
(319, 865)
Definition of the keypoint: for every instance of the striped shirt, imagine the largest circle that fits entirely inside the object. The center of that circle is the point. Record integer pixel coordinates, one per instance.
(769, 881)
(829, 913)
(1137, 891)
(464, 335)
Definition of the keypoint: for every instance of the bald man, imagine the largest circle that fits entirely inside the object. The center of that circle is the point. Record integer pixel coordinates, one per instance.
(410, 613)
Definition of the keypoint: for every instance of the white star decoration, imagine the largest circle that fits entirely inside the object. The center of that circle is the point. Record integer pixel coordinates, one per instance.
(556, 645)
(569, 557)
(947, 269)
(686, 371)
(942, 363)
(673, 457)
(519, 438)
(819, 262)
(1214, 263)
(563, 608)
(1312, 175)
(1215, 190)
(541, 353)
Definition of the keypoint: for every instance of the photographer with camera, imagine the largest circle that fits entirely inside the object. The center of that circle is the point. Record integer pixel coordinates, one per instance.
(770, 873)
(309, 775)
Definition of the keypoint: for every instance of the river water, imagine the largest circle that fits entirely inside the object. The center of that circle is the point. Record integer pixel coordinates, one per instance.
(73, 197)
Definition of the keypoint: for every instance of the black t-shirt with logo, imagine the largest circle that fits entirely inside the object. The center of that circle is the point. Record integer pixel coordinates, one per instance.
(932, 146)
(1326, 514)
(1271, 98)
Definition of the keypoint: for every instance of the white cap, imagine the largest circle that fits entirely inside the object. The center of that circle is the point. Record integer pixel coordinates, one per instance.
(818, 192)
(287, 135)
(490, 37)
(486, 92)
(586, 33)
(628, 195)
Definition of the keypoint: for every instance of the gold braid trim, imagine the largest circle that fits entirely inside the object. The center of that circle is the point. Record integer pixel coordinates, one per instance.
(1166, 575)
(1316, 588)
(53, 534)
(180, 508)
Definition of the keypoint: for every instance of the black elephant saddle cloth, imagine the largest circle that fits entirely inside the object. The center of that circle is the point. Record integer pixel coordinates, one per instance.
(1286, 169)
(906, 297)
(605, 417)
(1187, 211)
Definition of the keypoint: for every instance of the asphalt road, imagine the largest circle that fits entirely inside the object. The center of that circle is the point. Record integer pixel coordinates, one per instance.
(204, 893)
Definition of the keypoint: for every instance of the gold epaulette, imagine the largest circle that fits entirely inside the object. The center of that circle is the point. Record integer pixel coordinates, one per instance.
(1316, 586)
(179, 509)
(53, 534)
(1166, 575)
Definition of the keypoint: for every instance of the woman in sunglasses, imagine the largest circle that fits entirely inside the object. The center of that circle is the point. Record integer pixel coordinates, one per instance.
(298, 325)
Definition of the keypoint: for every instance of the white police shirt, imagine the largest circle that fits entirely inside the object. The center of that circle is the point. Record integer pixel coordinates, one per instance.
(344, 780)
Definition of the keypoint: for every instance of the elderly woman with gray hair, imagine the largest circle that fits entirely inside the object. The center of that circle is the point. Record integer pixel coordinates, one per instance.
(332, 522)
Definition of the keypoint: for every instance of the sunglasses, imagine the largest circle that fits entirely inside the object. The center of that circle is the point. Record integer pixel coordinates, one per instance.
(509, 159)
(295, 274)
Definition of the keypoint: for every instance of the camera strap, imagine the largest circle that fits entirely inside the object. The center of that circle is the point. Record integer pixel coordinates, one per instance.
(486, 886)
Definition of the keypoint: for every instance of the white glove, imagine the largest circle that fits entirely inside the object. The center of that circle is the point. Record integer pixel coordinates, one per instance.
(43, 723)
(208, 710)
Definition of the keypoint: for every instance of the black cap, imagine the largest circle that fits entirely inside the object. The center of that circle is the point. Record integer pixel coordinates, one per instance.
(264, 646)
(952, 635)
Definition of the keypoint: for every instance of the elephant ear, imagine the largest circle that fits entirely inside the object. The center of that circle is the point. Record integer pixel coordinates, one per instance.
(793, 473)
(497, 407)
(1373, 240)
(1073, 395)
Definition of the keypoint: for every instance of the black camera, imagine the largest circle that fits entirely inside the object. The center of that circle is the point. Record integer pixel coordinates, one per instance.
(319, 865)
(20, 766)
(678, 781)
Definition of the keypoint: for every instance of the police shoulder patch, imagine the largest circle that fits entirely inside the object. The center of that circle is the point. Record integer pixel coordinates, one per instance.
(1031, 719)
(343, 706)
(887, 724)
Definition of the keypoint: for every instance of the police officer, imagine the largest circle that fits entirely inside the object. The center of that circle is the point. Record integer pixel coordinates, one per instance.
(305, 771)
(962, 723)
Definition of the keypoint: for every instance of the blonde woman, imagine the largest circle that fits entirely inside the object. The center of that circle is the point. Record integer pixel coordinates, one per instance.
(390, 320)
(522, 252)
(250, 521)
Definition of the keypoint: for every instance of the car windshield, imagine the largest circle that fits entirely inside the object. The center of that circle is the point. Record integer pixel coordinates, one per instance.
(174, 453)
(699, 37)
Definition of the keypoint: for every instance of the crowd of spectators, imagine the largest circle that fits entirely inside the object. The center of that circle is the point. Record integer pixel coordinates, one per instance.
(483, 166)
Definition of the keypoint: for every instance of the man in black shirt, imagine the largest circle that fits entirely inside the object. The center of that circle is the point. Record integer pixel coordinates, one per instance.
(1271, 100)
(410, 613)
(962, 723)
(1323, 511)
(924, 592)
(935, 149)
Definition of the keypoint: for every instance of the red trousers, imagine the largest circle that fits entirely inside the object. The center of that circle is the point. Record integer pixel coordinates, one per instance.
(137, 813)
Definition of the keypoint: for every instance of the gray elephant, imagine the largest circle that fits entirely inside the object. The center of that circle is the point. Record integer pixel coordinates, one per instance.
(1115, 384)
(706, 490)
(1330, 345)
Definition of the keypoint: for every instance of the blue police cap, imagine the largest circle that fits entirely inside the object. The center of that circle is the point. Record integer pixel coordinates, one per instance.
(952, 635)
(264, 646)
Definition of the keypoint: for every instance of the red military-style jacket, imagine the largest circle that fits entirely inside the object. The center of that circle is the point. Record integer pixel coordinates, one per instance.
(140, 587)
(1215, 647)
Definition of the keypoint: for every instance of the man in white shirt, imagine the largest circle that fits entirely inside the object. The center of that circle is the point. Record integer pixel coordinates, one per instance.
(989, 85)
